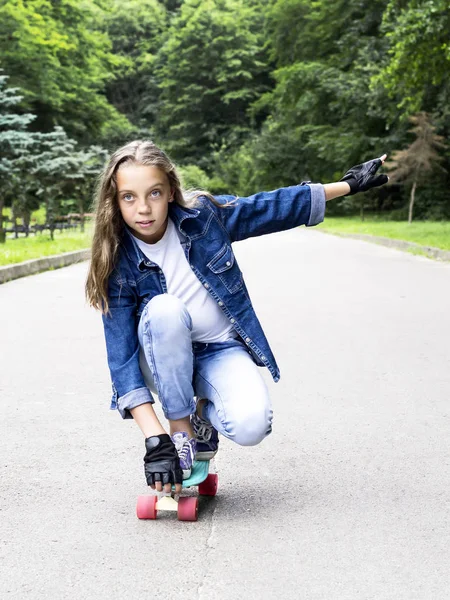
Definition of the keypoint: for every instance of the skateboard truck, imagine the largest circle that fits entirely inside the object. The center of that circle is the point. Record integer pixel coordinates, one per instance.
(167, 502)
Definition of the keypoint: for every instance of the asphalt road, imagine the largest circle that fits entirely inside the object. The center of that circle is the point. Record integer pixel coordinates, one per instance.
(348, 498)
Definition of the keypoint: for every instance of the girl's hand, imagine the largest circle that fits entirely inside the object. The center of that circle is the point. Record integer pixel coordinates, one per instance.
(162, 464)
(363, 177)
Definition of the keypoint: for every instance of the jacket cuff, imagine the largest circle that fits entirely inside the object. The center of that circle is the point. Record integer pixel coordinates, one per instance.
(133, 399)
(317, 204)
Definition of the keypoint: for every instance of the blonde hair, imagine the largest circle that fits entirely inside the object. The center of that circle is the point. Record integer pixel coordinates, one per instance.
(109, 223)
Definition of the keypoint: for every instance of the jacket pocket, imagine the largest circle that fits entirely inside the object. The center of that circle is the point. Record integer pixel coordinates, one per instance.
(224, 265)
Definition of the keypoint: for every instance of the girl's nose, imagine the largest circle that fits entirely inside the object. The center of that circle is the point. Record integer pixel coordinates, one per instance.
(144, 207)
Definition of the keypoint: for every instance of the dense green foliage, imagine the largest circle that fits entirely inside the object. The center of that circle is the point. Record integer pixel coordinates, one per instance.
(243, 94)
(210, 69)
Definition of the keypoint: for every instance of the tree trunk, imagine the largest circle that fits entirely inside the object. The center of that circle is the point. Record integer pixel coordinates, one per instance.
(361, 211)
(81, 211)
(411, 201)
(26, 216)
(14, 220)
(2, 231)
(49, 216)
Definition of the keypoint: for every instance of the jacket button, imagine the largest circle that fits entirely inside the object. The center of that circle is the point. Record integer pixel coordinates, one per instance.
(263, 357)
(206, 285)
(220, 303)
(192, 266)
(247, 340)
(232, 320)
(228, 263)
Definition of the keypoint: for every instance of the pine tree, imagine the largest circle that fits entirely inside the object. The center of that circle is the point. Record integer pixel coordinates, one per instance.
(415, 163)
(15, 142)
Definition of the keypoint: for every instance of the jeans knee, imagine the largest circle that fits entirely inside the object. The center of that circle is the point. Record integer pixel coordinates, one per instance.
(252, 430)
(167, 314)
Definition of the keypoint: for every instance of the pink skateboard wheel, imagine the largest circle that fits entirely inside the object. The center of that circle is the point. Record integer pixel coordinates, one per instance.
(188, 508)
(146, 507)
(209, 486)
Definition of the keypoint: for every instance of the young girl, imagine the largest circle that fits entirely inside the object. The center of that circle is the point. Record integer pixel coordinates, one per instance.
(177, 316)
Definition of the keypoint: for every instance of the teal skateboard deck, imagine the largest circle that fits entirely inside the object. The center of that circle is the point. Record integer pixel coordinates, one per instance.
(186, 507)
(200, 471)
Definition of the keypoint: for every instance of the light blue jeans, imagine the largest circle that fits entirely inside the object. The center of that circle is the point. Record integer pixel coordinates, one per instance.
(177, 370)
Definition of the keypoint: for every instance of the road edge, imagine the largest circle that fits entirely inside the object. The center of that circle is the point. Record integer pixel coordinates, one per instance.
(37, 265)
(428, 251)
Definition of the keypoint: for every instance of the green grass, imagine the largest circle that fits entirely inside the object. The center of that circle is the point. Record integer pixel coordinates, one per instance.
(39, 245)
(426, 233)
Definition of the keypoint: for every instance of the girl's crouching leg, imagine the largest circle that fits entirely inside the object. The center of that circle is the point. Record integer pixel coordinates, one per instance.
(166, 357)
(168, 319)
(241, 411)
(239, 405)
(249, 428)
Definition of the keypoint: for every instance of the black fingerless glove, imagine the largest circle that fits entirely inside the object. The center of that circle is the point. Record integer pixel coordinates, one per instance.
(362, 177)
(161, 461)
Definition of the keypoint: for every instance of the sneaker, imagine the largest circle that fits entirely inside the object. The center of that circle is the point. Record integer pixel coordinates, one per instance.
(186, 451)
(206, 436)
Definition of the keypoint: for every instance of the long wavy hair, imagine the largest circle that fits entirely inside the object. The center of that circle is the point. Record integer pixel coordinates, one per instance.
(109, 224)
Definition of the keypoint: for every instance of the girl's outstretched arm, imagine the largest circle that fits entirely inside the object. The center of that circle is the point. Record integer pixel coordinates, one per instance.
(336, 190)
(357, 179)
(363, 177)
(285, 208)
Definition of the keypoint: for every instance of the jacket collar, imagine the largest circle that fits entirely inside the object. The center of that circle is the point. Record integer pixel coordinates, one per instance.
(179, 213)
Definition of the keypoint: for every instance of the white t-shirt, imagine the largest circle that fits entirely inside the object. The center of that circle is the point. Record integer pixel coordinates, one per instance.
(209, 324)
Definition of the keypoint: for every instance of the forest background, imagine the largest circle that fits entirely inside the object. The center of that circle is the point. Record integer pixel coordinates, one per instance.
(243, 95)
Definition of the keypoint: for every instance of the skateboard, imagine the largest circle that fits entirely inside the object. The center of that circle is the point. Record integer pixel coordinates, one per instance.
(186, 507)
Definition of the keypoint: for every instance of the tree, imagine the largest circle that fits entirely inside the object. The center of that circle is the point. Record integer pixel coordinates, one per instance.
(24, 198)
(210, 68)
(85, 166)
(415, 163)
(57, 54)
(61, 170)
(415, 68)
(320, 117)
(16, 143)
(135, 28)
(192, 177)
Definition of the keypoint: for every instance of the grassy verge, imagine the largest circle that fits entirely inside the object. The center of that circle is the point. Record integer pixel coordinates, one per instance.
(39, 245)
(426, 233)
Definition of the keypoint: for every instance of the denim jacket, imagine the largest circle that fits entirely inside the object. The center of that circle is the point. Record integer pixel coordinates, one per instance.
(206, 234)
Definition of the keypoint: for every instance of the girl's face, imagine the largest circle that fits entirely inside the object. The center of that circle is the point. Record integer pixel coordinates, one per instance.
(144, 194)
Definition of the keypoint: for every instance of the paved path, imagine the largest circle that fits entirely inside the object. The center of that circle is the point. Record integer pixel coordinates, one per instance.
(349, 497)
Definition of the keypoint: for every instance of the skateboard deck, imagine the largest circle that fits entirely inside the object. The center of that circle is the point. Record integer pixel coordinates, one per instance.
(186, 507)
(200, 471)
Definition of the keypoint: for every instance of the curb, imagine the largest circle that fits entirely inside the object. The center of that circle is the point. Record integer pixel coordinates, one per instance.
(429, 251)
(30, 267)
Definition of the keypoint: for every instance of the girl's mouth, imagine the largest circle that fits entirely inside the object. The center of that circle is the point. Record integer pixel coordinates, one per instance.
(145, 223)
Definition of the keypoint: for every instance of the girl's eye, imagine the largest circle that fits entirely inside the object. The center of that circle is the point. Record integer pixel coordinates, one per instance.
(153, 193)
